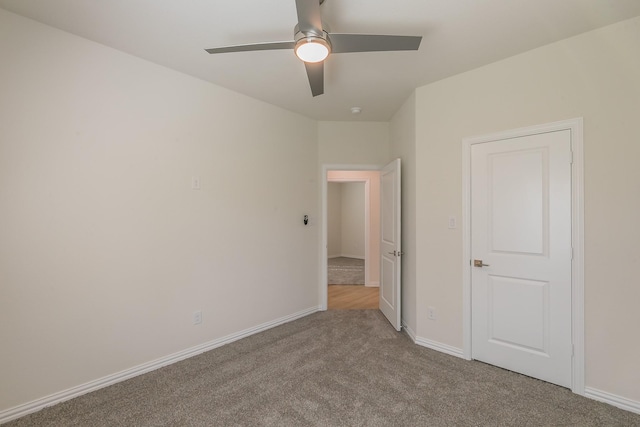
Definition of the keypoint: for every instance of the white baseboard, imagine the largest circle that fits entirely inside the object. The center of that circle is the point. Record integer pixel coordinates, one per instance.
(591, 393)
(408, 330)
(612, 399)
(438, 346)
(352, 256)
(53, 399)
(433, 345)
(373, 284)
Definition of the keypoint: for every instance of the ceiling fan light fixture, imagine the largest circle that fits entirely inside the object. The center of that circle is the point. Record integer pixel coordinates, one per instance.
(312, 49)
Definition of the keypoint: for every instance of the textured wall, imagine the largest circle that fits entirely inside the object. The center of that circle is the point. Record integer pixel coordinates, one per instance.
(595, 76)
(105, 250)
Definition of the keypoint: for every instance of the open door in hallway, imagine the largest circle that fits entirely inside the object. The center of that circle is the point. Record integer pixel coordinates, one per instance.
(390, 245)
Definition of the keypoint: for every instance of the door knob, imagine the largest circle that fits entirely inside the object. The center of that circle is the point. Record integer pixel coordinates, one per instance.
(478, 263)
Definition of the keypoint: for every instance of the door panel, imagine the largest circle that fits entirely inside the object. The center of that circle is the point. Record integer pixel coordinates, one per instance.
(388, 273)
(519, 311)
(517, 201)
(390, 245)
(521, 230)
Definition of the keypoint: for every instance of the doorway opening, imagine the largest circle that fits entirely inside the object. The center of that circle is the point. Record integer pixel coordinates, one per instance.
(384, 242)
(350, 261)
(352, 233)
(348, 237)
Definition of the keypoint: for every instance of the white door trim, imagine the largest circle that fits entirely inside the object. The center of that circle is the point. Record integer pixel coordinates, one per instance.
(322, 285)
(577, 239)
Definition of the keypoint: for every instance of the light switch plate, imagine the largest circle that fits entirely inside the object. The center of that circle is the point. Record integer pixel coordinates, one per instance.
(452, 222)
(197, 317)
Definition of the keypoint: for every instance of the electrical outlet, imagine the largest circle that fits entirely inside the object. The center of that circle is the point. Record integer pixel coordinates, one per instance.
(197, 317)
(431, 313)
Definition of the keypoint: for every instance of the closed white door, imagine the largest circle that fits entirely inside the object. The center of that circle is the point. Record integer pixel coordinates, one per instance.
(390, 244)
(521, 255)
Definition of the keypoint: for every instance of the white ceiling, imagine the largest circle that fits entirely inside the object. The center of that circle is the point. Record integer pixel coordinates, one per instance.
(459, 35)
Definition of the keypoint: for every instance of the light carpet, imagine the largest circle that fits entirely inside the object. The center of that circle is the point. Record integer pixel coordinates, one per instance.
(334, 368)
(345, 271)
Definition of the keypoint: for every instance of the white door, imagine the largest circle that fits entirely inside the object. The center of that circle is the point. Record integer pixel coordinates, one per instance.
(390, 249)
(521, 232)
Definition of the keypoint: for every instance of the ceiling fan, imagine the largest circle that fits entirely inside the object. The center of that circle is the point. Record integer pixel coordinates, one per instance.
(313, 43)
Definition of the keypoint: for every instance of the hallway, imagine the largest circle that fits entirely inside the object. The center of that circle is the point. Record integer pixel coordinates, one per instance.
(352, 297)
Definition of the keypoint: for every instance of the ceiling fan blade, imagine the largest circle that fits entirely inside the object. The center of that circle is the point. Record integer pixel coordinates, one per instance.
(344, 43)
(254, 46)
(309, 18)
(315, 72)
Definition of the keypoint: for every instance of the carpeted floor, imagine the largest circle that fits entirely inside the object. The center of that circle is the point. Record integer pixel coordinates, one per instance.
(334, 368)
(345, 271)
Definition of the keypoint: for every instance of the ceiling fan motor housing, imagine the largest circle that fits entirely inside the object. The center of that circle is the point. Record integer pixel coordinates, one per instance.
(311, 46)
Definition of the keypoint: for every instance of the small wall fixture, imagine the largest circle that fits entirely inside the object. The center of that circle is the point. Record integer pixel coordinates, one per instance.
(356, 110)
(306, 219)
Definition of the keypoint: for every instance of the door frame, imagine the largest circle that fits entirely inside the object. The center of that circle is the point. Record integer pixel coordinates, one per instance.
(367, 220)
(575, 126)
(322, 285)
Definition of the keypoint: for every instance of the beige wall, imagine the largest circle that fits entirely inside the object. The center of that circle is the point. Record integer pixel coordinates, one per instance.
(334, 219)
(353, 143)
(353, 219)
(105, 250)
(346, 219)
(596, 76)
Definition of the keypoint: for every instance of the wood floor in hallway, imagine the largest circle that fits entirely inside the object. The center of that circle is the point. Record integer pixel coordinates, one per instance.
(351, 297)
